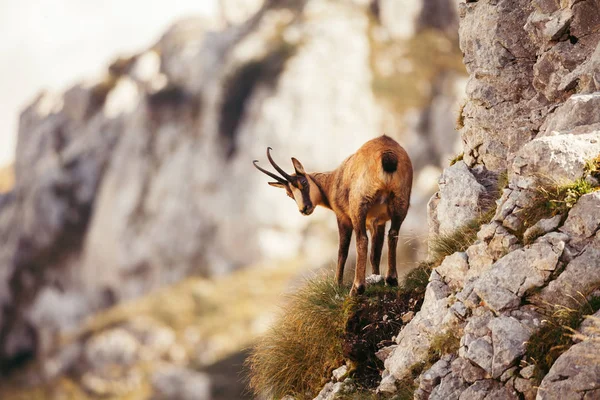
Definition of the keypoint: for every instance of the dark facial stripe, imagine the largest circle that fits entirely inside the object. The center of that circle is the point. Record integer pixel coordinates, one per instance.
(306, 196)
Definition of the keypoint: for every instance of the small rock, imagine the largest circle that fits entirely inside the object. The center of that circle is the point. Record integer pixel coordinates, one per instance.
(527, 372)
(339, 373)
(541, 227)
(512, 222)
(527, 387)
(114, 346)
(467, 370)
(481, 352)
(332, 391)
(479, 390)
(433, 376)
(179, 383)
(407, 317)
(385, 352)
(459, 309)
(460, 194)
(453, 269)
(387, 384)
(374, 279)
(584, 218)
(509, 373)
(480, 260)
(510, 338)
(450, 388)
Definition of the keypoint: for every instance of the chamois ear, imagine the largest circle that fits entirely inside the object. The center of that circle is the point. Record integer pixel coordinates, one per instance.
(277, 185)
(298, 167)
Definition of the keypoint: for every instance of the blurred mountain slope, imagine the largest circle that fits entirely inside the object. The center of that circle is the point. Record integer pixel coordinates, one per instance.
(143, 178)
(186, 329)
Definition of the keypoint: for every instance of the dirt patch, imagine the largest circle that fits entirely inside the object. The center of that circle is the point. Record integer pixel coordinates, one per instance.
(373, 320)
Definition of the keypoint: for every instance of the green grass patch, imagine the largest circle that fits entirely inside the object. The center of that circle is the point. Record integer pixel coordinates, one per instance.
(456, 158)
(554, 337)
(549, 200)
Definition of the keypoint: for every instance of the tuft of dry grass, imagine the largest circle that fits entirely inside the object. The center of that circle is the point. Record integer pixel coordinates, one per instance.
(444, 245)
(301, 349)
(7, 178)
(555, 335)
(320, 328)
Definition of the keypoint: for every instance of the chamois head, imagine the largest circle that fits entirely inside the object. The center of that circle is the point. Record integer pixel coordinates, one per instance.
(298, 186)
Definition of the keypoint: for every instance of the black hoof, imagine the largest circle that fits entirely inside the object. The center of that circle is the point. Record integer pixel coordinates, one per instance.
(357, 290)
(391, 281)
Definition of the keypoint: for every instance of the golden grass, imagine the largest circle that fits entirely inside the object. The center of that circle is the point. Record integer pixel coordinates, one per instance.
(300, 350)
(319, 329)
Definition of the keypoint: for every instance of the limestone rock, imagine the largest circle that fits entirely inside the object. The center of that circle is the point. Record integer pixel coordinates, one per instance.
(574, 375)
(584, 218)
(339, 373)
(578, 110)
(450, 388)
(459, 195)
(480, 390)
(468, 371)
(569, 156)
(415, 338)
(502, 286)
(115, 346)
(509, 337)
(432, 377)
(332, 391)
(580, 276)
(481, 352)
(454, 269)
(541, 227)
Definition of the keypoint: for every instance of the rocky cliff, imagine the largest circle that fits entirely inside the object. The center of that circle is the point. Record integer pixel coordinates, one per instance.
(534, 266)
(143, 178)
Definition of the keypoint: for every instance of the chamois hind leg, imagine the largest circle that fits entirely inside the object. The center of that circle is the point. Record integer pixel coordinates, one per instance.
(362, 247)
(377, 238)
(345, 232)
(397, 218)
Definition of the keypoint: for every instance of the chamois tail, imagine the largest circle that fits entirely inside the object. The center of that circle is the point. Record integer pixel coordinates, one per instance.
(389, 162)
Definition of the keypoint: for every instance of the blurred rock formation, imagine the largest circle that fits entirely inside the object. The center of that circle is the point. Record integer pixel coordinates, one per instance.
(144, 178)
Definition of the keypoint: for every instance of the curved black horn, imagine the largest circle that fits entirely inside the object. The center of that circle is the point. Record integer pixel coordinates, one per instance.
(282, 172)
(272, 175)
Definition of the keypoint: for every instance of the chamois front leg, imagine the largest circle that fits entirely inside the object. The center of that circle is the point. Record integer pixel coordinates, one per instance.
(362, 245)
(345, 231)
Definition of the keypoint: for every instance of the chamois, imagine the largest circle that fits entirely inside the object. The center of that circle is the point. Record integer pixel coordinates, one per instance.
(369, 188)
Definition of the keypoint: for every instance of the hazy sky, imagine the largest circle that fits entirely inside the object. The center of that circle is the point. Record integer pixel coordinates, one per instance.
(51, 44)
